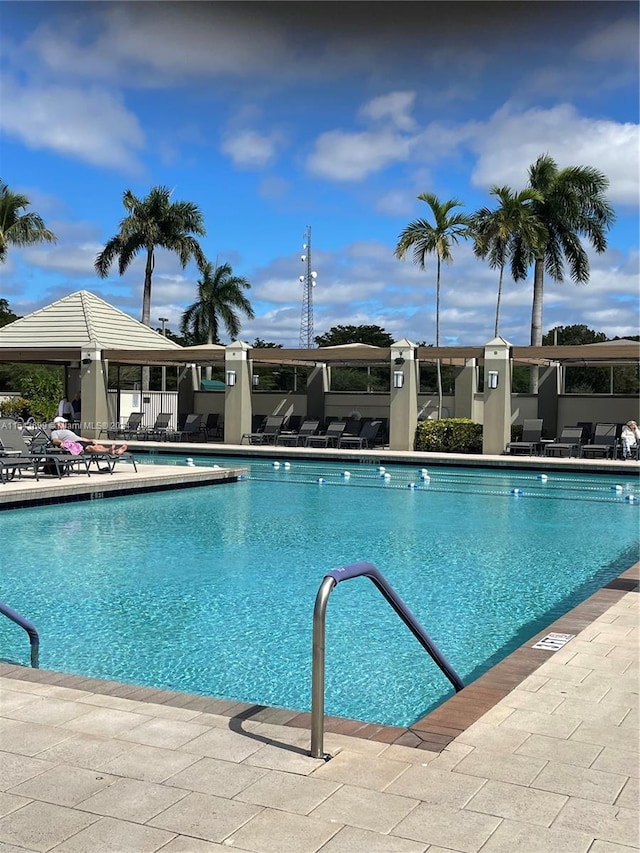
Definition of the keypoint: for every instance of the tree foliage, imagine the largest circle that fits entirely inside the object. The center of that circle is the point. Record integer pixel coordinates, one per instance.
(19, 227)
(437, 238)
(495, 231)
(153, 222)
(576, 335)
(260, 344)
(220, 299)
(573, 205)
(6, 314)
(342, 335)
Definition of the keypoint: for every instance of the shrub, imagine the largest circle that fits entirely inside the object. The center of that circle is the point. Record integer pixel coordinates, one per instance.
(449, 435)
(15, 408)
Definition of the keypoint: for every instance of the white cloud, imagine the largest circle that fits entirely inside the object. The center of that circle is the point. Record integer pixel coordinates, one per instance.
(143, 46)
(89, 124)
(78, 262)
(396, 106)
(396, 203)
(611, 42)
(342, 156)
(250, 149)
(511, 141)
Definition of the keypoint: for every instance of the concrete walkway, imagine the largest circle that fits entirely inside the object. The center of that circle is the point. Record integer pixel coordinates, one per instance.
(552, 768)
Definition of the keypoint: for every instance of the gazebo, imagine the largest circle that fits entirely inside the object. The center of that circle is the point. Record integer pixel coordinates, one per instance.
(76, 332)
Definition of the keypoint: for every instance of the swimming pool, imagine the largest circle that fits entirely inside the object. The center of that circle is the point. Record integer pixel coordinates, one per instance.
(211, 590)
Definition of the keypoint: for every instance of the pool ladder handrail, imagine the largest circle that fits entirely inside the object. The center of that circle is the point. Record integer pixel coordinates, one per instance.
(28, 626)
(330, 580)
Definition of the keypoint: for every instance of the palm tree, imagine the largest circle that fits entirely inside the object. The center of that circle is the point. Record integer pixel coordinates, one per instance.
(573, 205)
(427, 239)
(495, 231)
(151, 222)
(16, 227)
(220, 297)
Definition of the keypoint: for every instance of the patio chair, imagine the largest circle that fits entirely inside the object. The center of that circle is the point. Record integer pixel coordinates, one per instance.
(367, 438)
(131, 430)
(11, 465)
(212, 427)
(353, 426)
(14, 462)
(587, 431)
(295, 439)
(104, 462)
(44, 458)
(189, 431)
(330, 438)
(292, 423)
(529, 444)
(158, 432)
(569, 443)
(605, 443)
(269, 434)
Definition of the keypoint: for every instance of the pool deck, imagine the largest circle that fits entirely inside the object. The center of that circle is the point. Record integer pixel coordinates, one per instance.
(552, 767)
(539, 755)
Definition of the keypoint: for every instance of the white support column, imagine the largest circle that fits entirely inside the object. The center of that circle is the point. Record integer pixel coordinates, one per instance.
(317, 387)
(237, 397)
(93, 381)
(466, 389)
(496, 431)
(403, 407)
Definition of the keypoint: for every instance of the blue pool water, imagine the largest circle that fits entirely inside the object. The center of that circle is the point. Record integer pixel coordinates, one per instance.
(211, 590)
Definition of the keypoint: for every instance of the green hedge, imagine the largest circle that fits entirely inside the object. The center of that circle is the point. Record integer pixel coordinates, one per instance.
(449, 435)
(454, 435)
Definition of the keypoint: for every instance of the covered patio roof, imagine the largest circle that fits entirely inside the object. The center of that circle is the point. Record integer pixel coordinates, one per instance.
(58, 334)
(355, 355)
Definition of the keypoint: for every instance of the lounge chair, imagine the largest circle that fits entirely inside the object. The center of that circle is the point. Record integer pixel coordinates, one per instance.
(292, 424)
(269, 434)
(367, 438)
(529, 444)
(45, 458)
(587, 431)
(330, 438)
(190, 430)
(212, 427)
(569, 443)
(104, 462)
(605, 443)
(132, 429)
(295, 439)
(14, 462)
(158, 432)
(11, 465)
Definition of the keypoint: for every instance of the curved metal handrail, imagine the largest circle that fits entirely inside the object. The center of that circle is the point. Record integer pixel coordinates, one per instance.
(29, 627)
(330, 580)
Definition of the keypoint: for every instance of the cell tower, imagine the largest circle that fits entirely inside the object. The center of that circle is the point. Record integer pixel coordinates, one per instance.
(308, 281)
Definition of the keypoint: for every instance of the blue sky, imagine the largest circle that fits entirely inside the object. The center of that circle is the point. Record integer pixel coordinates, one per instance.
(276, 116)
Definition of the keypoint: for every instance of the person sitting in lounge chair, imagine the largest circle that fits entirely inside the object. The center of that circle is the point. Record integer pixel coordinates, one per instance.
(61, 435)
(629, 437)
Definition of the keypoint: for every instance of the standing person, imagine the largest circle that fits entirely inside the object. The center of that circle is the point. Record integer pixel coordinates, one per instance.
(65, 409)
(76, 404)
(629, 437)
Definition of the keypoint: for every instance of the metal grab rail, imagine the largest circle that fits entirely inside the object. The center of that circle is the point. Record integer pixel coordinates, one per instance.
(29, 627)
(330, 580)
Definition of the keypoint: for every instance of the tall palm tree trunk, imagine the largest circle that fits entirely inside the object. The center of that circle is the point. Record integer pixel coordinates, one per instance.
(497, 328)
(536, 318)
(438, 366)
(146, 309)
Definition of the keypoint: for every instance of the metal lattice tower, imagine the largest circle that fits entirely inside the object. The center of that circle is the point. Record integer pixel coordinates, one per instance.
(308, 281)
